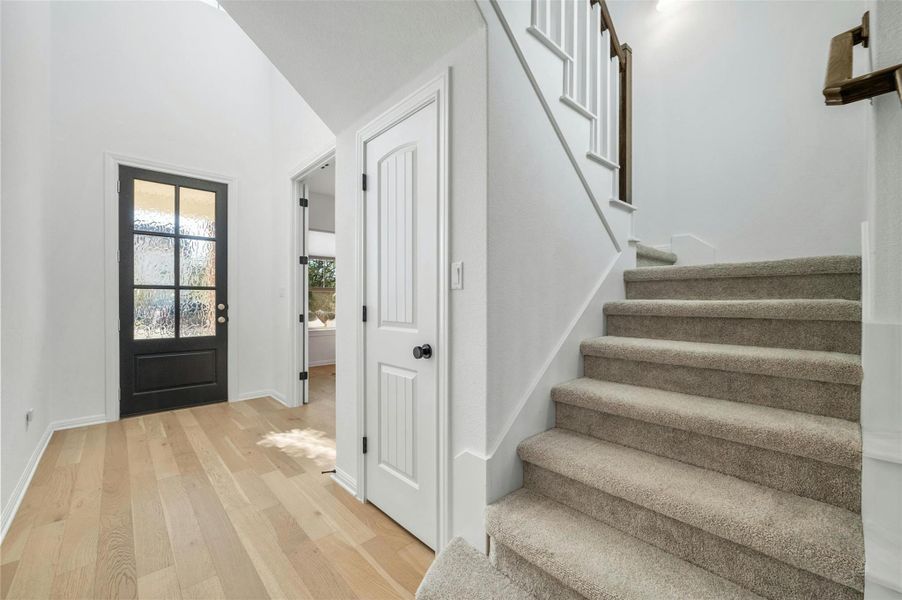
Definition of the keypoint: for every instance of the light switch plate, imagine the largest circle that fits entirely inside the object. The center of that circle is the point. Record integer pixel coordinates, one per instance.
(457, 276)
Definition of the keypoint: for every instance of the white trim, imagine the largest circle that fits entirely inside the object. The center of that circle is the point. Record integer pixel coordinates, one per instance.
(274, 394)
(321, 332)
(882, 445)
(622, 206)
(15, 499)
(298, 392)
(549, 43)
(321, 363)
(346, 481)
(610, 164)
(579, 108)
(112, 161)
(435, 91)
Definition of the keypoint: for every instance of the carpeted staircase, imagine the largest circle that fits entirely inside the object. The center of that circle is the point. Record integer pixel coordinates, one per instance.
(711, 451)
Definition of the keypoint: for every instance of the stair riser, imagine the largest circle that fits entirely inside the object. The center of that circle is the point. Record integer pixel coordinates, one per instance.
(642, 261)
(755, 571)
(529, 577)
(820, 481)
(814, 397)
(828, 336)
(845, 286)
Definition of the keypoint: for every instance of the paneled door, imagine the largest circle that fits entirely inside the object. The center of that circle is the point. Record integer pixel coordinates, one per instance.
(402, 320)
(173, 309)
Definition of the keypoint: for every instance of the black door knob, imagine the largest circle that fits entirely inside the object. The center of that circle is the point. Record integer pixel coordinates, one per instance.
(424, 351)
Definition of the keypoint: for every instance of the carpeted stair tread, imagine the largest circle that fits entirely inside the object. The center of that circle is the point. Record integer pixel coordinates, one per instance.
(595, 560)
(809, 535)
(820, 265)
(460, 571)
(825, 439)
(813, 365)
(655, 255)
(804, 309)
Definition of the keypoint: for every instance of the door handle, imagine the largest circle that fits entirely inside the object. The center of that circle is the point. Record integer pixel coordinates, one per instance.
(424, 351)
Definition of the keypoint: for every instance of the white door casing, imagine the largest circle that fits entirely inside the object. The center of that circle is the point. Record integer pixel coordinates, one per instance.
(402, 293)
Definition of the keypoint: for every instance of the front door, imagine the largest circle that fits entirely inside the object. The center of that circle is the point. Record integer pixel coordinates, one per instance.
(173, 309)
(402, 320)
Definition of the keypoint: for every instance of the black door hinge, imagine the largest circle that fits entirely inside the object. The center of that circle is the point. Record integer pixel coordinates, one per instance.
(364, 313)
(364, 444)
(302, 376)
(363, 181)
(303, 260)
(301, 318)
(302, 202)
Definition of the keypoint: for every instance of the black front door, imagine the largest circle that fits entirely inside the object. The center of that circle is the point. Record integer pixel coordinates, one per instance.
(173, 309)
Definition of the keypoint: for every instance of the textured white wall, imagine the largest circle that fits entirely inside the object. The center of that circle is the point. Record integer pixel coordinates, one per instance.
(733, 142)
(178, 83)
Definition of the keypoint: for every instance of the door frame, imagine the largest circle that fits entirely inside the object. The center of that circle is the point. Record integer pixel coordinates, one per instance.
(435, 91)
(112, 162)
(297, 303)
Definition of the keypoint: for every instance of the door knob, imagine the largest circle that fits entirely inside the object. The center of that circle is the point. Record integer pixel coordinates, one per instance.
(424, 351)
(221, 319)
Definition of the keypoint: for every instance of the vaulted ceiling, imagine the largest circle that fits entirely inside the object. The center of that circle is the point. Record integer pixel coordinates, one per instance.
(344, 57)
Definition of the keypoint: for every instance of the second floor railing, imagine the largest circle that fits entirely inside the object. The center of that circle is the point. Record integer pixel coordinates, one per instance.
(597, 77)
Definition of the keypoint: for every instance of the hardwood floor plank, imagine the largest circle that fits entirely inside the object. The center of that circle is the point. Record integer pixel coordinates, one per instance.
(34, 575)
(75, 583)
(162, 584)
(360, 575)
(233, 565)
(399, 569)
(189, 549)
(152, 549)
(115, 572)
(7, 572)
(186, 504)
(317, 574)
(208, 589)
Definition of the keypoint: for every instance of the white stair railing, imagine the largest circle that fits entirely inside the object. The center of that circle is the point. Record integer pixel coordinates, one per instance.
(596, 76)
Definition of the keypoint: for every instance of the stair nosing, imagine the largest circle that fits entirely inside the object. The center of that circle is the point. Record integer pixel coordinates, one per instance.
(545, 554)
(792, 267)
(771, 309)
(815, 365)
(668, 406)
(688, 487)
(655, 254)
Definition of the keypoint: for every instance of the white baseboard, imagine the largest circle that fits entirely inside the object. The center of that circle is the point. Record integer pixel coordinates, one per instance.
(276, 395)
(12, 507)
(346, 481)
(321, 363)
(692, 250)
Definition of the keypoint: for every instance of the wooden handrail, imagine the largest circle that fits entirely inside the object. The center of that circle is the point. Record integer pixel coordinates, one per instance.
(607, 24)
(840, 87)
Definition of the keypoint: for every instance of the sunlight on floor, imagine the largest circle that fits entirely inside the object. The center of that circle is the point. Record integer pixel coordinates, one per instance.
(306, 443)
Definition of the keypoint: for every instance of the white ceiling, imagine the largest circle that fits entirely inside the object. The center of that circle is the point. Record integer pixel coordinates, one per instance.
(344, 57)
(323, 180)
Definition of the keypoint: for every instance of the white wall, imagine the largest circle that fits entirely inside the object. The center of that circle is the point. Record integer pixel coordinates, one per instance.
(467, 204)
(83, 78)
(322, 211)
(881, 416)
(27, 305)
(732, 140)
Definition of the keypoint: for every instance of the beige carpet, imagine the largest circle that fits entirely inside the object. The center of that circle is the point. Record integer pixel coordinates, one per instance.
(712, 449)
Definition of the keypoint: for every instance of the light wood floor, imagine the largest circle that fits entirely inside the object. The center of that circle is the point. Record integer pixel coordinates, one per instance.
(190, 504)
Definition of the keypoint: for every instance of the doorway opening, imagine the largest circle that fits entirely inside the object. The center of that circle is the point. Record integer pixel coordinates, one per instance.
(315, 282)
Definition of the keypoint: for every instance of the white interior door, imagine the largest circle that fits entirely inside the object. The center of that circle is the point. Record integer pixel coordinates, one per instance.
(402, 314)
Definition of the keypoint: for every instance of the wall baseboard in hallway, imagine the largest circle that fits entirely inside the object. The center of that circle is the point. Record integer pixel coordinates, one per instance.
(9, 511)
(260, 394)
